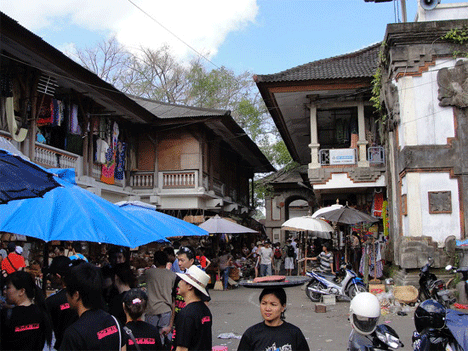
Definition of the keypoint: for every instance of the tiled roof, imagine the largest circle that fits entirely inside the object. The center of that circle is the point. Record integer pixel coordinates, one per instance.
(166, 111)
(361, 63)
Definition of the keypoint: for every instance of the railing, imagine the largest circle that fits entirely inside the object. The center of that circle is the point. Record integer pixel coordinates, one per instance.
(96, 171)
(50, 156)
(142, 180)
(330, 157)
(337, 157)
(376, 155)
(178, 179)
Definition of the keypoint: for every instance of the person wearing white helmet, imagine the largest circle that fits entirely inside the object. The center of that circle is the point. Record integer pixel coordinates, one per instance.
(364, 314)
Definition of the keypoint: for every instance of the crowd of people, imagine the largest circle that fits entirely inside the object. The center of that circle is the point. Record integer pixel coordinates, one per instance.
(109, 307)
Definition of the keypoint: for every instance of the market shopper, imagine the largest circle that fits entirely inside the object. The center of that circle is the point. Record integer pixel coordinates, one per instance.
(266, 258)
(194, 322)
(274, 333)
(14, 261)
(159, 284)
(290, 257)
(277, 258)
(124, 280)
(77, 251)
(61, 314)
(186, 256)
(145, 335)
(27, 325)
(94, 329)
(225, 265)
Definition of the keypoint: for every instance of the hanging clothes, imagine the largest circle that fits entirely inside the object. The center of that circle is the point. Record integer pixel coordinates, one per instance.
(375, 266)
(74, 124)
(46, 112)
(120, 160)
(107, 172)
(101, 149)
(377, 204)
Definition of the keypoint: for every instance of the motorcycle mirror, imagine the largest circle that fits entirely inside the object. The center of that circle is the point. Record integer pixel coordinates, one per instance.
(448, 267)
(430, 260)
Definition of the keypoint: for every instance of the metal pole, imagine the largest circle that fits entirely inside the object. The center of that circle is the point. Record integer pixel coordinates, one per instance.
(403, 11)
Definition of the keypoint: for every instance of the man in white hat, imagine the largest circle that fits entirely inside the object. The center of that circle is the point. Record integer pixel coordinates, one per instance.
(194, 321)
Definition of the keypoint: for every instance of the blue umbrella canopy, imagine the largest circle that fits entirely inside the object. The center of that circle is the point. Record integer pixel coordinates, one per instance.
(165, 225)
(70, 212)
(22, 179)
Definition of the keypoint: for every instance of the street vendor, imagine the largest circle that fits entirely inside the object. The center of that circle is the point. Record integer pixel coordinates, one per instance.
(326, 260)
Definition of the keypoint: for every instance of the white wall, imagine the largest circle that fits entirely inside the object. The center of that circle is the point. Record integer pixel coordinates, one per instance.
(419, 221)
(423, 121)
(443, 12)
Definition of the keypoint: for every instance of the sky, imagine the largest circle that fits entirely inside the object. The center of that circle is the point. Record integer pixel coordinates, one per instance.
(259, 36)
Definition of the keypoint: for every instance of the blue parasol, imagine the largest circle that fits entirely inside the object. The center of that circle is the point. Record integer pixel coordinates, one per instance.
(72, 213)
(165, 225)
(22, 179)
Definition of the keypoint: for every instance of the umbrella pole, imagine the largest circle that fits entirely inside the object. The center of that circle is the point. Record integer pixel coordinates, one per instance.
(45, 266)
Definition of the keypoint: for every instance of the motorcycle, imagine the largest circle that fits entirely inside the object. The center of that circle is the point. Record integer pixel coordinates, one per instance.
(345, 285)
(448, 333)
(430, 287)
(383, 338)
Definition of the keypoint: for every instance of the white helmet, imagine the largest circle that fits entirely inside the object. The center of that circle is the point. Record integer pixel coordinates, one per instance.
(364, 312)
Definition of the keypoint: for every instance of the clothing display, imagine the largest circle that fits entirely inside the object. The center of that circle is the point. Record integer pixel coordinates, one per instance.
(193, 327)
(94, 330)
(120, 160)
(22, 328)
(108, 169)
(262, 337)
(74, 125)
(375, 266)
(61, 314)
(146, 336)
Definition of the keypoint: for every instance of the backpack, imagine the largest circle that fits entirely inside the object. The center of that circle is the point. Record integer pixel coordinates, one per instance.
(291, 251)
(277, 253)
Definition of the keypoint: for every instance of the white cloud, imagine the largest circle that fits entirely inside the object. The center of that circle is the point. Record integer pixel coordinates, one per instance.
(203, 24)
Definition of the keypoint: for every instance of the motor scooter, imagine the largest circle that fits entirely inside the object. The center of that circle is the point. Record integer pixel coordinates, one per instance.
(383, 338)
(345, 285)
(453, 336)
(430, 287)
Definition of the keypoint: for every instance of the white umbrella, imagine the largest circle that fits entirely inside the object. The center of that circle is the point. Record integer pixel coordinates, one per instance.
(306, 223)
(323, 210)
(220, 225)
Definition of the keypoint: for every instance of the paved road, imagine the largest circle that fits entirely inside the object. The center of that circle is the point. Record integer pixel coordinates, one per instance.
(235, 310)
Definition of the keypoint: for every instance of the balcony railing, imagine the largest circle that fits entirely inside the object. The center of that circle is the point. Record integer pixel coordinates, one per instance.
(376, 155)
(142, 180)
(332, 157)
(218, 187)
(178, 179)
(50, 156)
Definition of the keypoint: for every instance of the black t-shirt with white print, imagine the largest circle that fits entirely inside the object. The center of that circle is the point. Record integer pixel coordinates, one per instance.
(94, 330)
(285, 337)
(193, 327)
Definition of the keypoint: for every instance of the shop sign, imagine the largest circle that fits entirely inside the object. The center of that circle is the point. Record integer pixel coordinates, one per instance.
(342, 156)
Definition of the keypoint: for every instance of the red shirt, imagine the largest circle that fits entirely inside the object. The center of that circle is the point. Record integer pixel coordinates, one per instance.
(202, 260)
(16, 260)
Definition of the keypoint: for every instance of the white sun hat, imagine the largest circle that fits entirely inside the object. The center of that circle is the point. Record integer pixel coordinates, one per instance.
(197, 278)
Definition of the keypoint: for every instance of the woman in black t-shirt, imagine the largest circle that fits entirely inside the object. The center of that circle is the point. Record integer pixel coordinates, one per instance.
(274, 333)
(26, 326)
(144, 334)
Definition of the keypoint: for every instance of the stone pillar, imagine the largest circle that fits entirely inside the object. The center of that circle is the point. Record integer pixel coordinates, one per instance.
(314, 145)
(362, 143)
